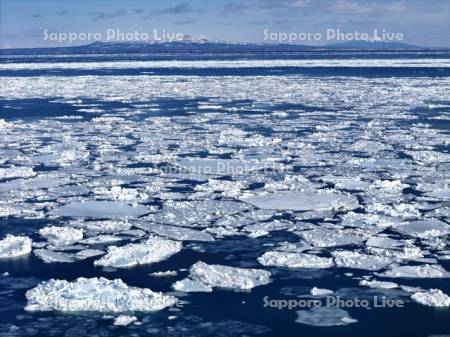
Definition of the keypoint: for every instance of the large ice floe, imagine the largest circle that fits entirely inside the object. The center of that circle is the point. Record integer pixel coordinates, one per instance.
(61, 236)
(94, 294)
(432, 298)
(100, 209)
(203, 277)
(303, 201)
(421, 271)
(424, 229)
(15, 246)
(154, 249)
(294, 260)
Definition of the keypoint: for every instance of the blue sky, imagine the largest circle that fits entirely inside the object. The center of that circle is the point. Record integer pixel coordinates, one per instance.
(422, 22)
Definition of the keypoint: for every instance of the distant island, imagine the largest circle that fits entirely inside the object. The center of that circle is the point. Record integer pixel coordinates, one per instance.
(209, 47)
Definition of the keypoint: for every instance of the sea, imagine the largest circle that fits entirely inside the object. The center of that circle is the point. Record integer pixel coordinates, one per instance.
(327, 170)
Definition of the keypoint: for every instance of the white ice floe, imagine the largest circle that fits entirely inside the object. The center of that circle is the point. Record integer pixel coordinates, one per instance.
(432, 298)
(102, 239)
(324, 237)
(424, 229)
(303, 201)
(188, 285)
(214, 275)
(153, 250)
(176, 233)
(294, 260)
(324, 316)
(100, 209)
(50, 256)
(124, 320)
(164, 273)
(16, 172)
(355, 260)
(378, 284)
(94, 294)
(14, 246)
(87, 253)
(320, 291)
(61, 236)
(422, 271)
(208, 166)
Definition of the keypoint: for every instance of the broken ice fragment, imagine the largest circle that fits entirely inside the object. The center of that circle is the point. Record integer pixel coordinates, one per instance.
(61, 236)
(187, 285)
(294, 260)
(153, 250)
(378, 284)
(215, 275)
(303, 201)
(432, 298)
(424, 229)
(320, 291)
(94, 294)
(15, 246)
(422, 271)
(324, 316)
(124, 320)
(100, 209)
(355, 260)
(176, 233)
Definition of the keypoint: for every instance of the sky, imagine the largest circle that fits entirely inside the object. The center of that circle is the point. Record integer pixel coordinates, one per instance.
(44, 23)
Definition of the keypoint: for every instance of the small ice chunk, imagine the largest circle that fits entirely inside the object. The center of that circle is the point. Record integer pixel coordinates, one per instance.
(14, 246)
(294, 260)
(320, 291)
(61, 236)
(124, 320)
(303, 201)
(378, 284)
(324, 316)
(187, 285)
(432, 298)
(100, 209)
(215, 275)
(424, 229)
(94, 294)
(422, 271)
(355, 260)
(153, 250)
(164, 273)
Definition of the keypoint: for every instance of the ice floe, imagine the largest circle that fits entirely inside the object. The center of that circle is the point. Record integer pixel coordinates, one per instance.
(124, 320)
(213, 275)
(424, 229)
(294, 260)
(61, 236)
(355, 260)
(320, 291)
(152, 250)
(421, 271)
(94, 294)
(324, 316)
(100, 209)
(432, 298)
(303, 201)
(15, 246)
